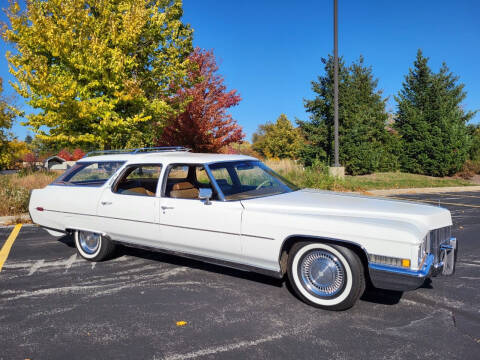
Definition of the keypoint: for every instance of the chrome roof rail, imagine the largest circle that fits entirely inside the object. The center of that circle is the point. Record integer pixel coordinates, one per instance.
(138, 150)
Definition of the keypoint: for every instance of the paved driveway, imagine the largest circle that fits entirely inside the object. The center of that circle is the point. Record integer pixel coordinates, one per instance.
(55, 305)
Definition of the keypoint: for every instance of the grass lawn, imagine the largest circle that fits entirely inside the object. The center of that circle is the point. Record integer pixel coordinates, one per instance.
(390, 180)
(398, 180)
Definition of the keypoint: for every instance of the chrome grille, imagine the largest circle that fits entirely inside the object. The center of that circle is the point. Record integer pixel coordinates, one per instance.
(436, 238)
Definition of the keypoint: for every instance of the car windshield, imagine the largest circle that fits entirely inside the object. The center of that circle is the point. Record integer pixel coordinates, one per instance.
(240, 180)
(89, 173)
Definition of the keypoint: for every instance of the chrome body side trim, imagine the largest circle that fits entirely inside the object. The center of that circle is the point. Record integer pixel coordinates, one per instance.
(320, 238)
(214, 261)
(148, 222)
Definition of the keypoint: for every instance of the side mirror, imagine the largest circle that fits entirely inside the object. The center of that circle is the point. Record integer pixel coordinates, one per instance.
(205, 194)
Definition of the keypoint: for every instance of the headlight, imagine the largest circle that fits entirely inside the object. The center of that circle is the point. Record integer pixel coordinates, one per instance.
(422, 250)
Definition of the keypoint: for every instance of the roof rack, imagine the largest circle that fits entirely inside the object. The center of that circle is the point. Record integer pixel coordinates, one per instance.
(138, 150)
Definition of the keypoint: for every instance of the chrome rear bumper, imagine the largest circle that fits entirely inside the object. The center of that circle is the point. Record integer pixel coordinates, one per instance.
(394, 278)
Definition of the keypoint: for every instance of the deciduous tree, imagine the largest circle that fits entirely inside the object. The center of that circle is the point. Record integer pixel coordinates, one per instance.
(431, 121)
(65, 155)
(7, 115)
(206, 125)
(278, 140)
(77, 154)
(99, 71)
(241, 148)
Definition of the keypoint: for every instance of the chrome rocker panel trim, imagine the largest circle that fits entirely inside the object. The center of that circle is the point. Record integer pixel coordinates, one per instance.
(204, 259)
(398, 279)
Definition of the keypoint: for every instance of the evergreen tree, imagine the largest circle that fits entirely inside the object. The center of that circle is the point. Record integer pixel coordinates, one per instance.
(474, 132)
(365, 143)
(431, 121)
(278, 140)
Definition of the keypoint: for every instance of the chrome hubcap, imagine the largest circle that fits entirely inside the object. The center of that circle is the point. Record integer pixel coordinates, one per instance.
(322, 273)
(89, 241)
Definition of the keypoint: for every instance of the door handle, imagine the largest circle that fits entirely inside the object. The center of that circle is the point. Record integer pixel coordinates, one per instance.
(106, 203)
(167, 207)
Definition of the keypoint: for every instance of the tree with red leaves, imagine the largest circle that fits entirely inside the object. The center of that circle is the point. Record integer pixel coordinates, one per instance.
(65, 155)
(77, 154)
(205, 126)
(30, 158)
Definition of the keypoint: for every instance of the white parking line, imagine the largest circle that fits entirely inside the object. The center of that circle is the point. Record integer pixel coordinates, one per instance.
(224, 348)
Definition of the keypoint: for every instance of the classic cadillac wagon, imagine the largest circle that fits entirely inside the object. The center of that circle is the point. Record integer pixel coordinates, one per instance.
(233, 210)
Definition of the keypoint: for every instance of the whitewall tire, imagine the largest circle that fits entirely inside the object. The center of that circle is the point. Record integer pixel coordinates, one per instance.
(93, 246)
(327, 276)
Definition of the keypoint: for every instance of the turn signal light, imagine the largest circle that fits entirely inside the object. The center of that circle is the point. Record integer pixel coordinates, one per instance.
(390, 261)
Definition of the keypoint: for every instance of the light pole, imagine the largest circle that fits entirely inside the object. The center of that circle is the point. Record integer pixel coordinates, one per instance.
(336, 170)
(335, 78)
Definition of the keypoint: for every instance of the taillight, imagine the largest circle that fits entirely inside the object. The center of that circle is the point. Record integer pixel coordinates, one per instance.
(39, 208)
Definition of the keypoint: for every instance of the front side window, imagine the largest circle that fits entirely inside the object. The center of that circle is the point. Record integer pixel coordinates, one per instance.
(139, 180)
(249, 179)
(185, 181)
(89, 173)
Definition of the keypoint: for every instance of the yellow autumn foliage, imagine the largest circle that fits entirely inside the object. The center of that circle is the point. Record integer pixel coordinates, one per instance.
(99, 72)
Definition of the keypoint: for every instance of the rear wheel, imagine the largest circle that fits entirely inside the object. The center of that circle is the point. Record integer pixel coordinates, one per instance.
(93, 246)
(325, 275)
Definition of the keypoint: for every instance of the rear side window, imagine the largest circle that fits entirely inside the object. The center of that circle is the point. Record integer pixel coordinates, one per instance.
(89, 173)
(140, 180)
(178, 172)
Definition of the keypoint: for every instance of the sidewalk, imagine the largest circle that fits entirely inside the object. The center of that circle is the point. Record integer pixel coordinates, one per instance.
(12, 220)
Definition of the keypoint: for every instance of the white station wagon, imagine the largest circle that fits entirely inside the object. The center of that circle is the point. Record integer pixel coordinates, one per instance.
(233, 210)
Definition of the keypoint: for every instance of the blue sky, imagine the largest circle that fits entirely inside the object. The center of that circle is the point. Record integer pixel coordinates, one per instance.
(270, 50)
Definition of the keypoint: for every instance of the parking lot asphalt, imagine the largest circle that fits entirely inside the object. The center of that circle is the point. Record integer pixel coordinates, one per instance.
(55, 305)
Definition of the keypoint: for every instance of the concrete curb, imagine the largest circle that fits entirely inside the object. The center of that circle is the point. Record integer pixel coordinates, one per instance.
(433, 190)
(10, 220)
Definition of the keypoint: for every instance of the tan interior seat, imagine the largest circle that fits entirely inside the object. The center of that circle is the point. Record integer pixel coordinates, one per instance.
(141, 190)
(184, 190)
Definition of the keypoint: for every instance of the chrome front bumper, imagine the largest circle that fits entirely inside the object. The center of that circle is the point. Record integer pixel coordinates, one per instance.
(394, 278)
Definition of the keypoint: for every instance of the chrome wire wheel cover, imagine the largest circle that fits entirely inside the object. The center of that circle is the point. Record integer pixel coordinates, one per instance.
(89, 241)
(322, 273)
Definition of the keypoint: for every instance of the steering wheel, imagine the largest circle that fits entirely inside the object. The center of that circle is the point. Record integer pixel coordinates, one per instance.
(263, 183)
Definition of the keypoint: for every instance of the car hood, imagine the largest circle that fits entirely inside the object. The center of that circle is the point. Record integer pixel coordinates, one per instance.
(318, 202)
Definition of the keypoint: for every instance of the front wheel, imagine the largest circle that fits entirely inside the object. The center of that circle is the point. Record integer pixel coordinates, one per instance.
(93, 246)
(325, 275)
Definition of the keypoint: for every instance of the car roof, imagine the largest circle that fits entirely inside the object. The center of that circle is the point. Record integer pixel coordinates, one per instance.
(168, 157)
